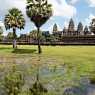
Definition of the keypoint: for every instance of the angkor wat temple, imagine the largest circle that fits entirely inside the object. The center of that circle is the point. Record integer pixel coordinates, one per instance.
(80, 35)
(75, 36)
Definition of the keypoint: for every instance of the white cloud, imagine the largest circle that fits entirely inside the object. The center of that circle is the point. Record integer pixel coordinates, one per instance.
(63, 9)
(8, 4)
(73, 1)
(60, 9)
(91, 16)
(1, 24)
(3, 27)
(66, 23)
(88, 20)
(91, 3)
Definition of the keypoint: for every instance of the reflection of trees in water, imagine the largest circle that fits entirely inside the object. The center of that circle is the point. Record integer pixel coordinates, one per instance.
(38, 88)
(46, 76)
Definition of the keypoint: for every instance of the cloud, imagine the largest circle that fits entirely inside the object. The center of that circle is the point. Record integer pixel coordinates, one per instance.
(8, 4)
(73, 1)
(1, 24)
(91, 3)
(88, 20)
(62, 8)
(3, 27)
(66, 23)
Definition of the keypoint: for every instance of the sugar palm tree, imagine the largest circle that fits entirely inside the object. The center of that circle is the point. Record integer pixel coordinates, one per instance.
(14, 20)
(39, 11)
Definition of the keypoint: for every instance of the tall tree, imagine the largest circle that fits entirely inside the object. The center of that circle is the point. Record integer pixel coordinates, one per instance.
(71, 26)
(39, 11)
(14, 20)
(92, 26)
(80, 29)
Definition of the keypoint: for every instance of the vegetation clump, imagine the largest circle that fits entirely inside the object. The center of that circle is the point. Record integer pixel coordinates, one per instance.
(13, 82)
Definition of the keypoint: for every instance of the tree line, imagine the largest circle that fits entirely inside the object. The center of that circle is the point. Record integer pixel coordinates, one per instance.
(56, 37)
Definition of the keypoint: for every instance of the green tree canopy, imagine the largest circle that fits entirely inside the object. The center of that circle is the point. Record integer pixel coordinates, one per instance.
(14, 20)
(39, 11)
(33, 34)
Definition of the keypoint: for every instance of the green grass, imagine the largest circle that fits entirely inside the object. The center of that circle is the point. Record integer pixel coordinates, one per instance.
(66, 63)
(82, 57)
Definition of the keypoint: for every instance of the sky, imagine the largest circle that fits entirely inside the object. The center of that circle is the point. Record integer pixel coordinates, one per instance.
(63, 10)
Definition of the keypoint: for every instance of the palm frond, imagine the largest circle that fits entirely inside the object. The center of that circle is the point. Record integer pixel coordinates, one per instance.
(15, 19)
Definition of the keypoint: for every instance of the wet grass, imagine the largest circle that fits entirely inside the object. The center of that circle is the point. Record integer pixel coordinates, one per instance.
(60, 66)
(81, 58)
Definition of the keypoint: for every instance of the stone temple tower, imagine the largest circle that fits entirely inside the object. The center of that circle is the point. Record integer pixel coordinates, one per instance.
(71, 26)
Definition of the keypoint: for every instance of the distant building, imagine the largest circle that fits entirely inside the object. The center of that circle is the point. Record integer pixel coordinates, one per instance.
(55, 31)
(80, 29)
(71, 31)
(71, 28)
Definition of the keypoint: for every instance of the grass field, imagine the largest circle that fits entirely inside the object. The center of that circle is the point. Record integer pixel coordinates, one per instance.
(59, 65)
(80, 57)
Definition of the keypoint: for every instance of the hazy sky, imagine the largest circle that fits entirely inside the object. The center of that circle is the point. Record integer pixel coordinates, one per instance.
(63, 10)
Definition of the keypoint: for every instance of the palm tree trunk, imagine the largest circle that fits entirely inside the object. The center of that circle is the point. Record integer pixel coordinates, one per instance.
(14, 39)
(39, 46)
